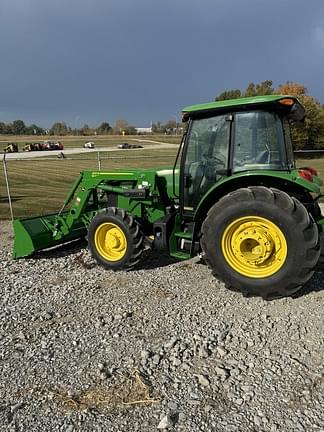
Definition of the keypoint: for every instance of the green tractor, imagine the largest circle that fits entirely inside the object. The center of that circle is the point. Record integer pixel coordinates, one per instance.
(233, 195)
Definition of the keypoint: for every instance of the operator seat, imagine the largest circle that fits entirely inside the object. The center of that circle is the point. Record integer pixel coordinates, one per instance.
(196, 172)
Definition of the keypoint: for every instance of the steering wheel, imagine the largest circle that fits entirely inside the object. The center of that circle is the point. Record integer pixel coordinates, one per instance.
(212, 165)
(217, 159)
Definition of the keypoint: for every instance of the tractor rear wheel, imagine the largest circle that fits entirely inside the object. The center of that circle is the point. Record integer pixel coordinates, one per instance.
(260, 241)
(115, 239)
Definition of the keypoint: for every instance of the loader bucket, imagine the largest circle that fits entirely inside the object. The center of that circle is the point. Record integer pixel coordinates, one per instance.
(33, 234)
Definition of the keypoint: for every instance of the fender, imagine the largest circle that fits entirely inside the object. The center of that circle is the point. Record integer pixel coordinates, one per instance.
(286, 181)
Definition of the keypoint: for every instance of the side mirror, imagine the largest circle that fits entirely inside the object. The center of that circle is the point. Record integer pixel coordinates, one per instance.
(297, 113)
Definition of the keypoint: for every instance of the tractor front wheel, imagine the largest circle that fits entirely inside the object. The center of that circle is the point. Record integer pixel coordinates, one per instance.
(115, 239)
(260, 241)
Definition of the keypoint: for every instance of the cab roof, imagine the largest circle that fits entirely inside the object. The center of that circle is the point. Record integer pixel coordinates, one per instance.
(240, 103)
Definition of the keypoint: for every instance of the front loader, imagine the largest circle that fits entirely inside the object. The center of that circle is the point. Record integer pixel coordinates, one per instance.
(233, 195)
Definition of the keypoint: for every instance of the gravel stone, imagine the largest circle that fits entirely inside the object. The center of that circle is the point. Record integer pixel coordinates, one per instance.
(203, 380)
(221, 351)
(156, 359)
(164, 346)
(222, 372)
(145, 354)
(165, 423)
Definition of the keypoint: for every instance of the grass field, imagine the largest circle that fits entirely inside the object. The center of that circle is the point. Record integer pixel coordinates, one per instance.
(40, 186)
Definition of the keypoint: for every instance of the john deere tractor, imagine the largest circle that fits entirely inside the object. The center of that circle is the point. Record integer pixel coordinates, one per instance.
(233, 195)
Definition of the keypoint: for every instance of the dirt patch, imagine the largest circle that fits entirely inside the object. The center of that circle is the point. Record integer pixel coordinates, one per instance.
(129, 389)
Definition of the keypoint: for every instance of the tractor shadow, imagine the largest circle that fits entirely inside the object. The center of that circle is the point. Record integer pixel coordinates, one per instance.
(151, 259)
(61, 251)
(315, 284)
(154, 259)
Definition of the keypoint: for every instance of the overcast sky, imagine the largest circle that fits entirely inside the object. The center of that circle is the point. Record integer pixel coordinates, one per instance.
(88, 61)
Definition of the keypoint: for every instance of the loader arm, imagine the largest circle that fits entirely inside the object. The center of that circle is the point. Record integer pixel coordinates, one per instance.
(132, 189)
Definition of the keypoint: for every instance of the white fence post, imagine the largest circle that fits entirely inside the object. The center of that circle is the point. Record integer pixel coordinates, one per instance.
(7, 185)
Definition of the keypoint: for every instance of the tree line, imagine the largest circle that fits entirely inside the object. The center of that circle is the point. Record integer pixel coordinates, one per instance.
(18, 127)
(306, 135)
(121, 127)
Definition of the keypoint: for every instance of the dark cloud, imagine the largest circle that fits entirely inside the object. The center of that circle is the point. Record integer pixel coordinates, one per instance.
(84, 62)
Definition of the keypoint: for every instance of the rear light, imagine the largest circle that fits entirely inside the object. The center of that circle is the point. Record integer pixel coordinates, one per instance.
(287, 101)
(306, 174)
(313, 171)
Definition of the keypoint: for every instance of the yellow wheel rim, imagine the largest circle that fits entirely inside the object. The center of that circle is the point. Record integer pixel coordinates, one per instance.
(110, 241)
(254, 246)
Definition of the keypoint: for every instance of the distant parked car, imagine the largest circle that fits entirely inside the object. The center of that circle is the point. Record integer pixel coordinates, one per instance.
(89, 145)
(53, 145)
(123, 146)
(128, 146)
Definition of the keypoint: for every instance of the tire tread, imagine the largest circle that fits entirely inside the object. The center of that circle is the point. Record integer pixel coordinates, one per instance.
(135, 234)
(296, 211)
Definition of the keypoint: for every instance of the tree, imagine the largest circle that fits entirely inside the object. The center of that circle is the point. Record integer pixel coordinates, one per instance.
(311, 132)
(18, 127)
(33, 129)
(157, 127)
(264, 88)
(120, 126)
(130, 130)
(104, 128)
(85, 130)
(59, 128)
(5, 128)
(229, 94)
(170, 126)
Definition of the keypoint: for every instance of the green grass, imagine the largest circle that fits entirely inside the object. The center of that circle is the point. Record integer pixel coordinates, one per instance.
(39, 186)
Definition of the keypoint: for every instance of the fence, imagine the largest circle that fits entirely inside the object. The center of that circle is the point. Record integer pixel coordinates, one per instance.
(309, 154)
(34, 186)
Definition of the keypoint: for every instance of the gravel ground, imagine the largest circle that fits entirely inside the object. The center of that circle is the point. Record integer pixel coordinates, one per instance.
(162, 347)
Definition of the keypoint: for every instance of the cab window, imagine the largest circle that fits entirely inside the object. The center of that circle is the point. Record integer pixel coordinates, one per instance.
(258, 142)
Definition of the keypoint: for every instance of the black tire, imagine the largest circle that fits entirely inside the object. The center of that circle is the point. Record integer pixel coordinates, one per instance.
(127, 228)
(289, 217)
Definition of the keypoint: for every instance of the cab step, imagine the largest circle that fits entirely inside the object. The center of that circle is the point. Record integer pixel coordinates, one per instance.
(181, 255)
(184, 234)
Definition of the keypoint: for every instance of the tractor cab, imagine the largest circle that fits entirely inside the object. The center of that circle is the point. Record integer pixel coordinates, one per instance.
(234, 136)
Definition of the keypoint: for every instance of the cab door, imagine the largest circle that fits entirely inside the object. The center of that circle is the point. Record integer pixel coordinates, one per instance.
(205, 158)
